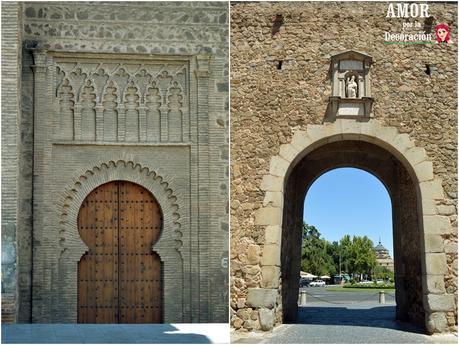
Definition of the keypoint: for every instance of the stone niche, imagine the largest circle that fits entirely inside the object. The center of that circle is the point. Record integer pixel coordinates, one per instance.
(351, 92)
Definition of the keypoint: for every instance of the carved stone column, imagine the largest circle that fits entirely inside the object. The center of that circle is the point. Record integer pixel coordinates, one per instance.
(121, 121)
(42, 131)
(142, 123)
(99, 122)
(77, 121)
(202, 75)
(164, 123)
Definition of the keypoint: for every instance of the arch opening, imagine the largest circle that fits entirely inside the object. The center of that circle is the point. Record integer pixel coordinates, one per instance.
(407, 234)
(347, 239)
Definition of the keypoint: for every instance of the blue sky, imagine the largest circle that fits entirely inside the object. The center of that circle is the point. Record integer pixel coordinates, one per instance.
(350, 201)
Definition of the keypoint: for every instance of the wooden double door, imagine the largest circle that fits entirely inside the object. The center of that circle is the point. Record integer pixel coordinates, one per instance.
(119, 278)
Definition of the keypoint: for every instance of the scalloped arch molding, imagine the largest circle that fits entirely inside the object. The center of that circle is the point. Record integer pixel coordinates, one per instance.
(72, 247)
(415, 159)
(120, 170)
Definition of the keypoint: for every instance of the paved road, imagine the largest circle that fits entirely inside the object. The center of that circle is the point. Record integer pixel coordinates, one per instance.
(116, 334)
(349, 321)
(352, 297)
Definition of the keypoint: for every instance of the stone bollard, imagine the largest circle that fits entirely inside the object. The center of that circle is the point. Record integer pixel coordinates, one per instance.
(303, 298)
(382, 297)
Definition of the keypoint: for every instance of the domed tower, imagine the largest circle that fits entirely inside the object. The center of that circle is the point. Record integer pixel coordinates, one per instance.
(383, 258)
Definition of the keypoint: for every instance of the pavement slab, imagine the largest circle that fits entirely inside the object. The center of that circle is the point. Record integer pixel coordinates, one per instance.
(344, 318)
(179, 333)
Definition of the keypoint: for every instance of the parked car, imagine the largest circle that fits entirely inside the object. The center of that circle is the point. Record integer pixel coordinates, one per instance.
(379, 281)
(366, 282)
(317, 283)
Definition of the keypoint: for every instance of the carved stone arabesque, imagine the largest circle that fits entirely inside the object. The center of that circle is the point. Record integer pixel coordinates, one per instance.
(170, 245)
(175, 113)
(96, 176)
(66, 108)
(117, 102)
(153, 104)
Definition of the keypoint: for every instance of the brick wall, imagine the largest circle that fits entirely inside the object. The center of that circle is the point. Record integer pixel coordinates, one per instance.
(11, 66)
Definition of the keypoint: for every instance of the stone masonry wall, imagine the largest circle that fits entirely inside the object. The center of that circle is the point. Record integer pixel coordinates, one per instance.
(11, 117)
(280, 84)
(159, 29)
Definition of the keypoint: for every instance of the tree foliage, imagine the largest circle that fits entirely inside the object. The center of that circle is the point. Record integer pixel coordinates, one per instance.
(320, 257)
(314, 255)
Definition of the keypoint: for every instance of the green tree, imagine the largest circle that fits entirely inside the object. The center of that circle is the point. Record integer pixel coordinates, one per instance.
(362, 257)
(315, 257)
(381, 272)
(320, 257)
(345, 249)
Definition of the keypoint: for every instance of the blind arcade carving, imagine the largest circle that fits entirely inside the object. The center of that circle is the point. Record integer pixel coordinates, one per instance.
(121, 101)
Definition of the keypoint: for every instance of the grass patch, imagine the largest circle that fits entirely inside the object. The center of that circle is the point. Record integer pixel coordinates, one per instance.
(360, 289)
(369, 286)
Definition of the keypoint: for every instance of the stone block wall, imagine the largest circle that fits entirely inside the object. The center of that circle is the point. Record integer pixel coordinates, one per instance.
(280, 85)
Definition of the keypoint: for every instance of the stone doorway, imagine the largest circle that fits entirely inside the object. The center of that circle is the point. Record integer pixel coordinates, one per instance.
(401, 189)
(119, 277)
(418, 224)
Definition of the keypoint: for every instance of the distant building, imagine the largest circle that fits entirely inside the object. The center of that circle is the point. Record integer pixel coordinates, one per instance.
(383, 258)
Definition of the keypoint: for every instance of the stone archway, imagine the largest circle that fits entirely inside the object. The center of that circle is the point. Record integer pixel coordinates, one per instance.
(402, 191)
(370, 146)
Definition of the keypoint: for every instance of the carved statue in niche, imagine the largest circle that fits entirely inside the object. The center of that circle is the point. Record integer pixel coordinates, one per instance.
(88, 113)
(66, 103)
(110, 113)
(175, 113)
(132, 112)
(351, 87)
(153, 104)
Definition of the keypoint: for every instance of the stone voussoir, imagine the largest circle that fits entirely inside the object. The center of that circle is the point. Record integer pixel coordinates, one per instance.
(444, 302)
(271, 255)
(268, 216)
(415, 155)
(403, 142)
(272, 183)
(436, 225)
(301, 140)
(273, 234)
(424, 171)
(435, 283)
(434, 244)
(437, 323)
(261, 298)
(270, 276)
(267, 319)
(435, 263)
(431, 190)
(274, 199)
(288, 152)
(278, 166)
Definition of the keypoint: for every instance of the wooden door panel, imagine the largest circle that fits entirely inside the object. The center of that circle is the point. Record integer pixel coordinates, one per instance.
(119, 278)
(98, 268)
(140, 222)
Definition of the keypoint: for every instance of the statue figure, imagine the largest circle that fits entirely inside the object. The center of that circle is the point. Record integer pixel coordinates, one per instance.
(351, 87)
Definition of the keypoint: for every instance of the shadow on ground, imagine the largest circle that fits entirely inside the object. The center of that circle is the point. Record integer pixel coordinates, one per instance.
(97, 334)
(379, 316)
